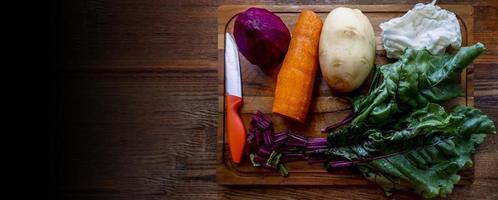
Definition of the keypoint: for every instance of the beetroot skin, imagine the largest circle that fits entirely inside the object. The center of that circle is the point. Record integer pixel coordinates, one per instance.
(261, 37)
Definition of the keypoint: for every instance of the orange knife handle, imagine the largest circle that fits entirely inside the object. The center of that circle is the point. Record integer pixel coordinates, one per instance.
(236, 130)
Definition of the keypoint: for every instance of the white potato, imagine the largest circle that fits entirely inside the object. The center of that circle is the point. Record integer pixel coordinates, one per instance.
(347, 49)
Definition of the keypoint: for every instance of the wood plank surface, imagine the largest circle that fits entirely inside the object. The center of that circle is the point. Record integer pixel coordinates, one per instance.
(326, 107)
(137, 103)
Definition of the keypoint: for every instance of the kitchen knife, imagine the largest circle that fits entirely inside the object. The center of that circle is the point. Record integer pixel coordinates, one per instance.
(233, 89)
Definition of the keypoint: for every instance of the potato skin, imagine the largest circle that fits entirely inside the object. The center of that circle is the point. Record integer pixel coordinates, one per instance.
(347, 49)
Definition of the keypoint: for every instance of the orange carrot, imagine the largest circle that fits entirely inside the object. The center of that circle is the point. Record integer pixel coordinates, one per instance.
(297, 75)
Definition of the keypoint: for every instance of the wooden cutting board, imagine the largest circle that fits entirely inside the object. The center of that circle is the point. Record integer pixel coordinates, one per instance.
(326, 107)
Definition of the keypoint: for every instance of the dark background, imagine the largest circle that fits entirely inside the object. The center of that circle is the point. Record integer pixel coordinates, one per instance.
(132, 102)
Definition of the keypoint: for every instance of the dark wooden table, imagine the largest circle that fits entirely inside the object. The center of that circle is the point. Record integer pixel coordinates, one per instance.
(137, 103)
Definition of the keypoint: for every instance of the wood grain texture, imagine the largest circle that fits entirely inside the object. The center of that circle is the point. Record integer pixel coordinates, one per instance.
(138, 102)
(326, 107)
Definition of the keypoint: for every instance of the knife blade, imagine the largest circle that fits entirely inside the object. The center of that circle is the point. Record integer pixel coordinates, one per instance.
(233, 88)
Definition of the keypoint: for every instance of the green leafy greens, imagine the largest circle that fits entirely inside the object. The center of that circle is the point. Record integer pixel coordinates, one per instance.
(400, 137)
(434, 145)
(415, 80)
